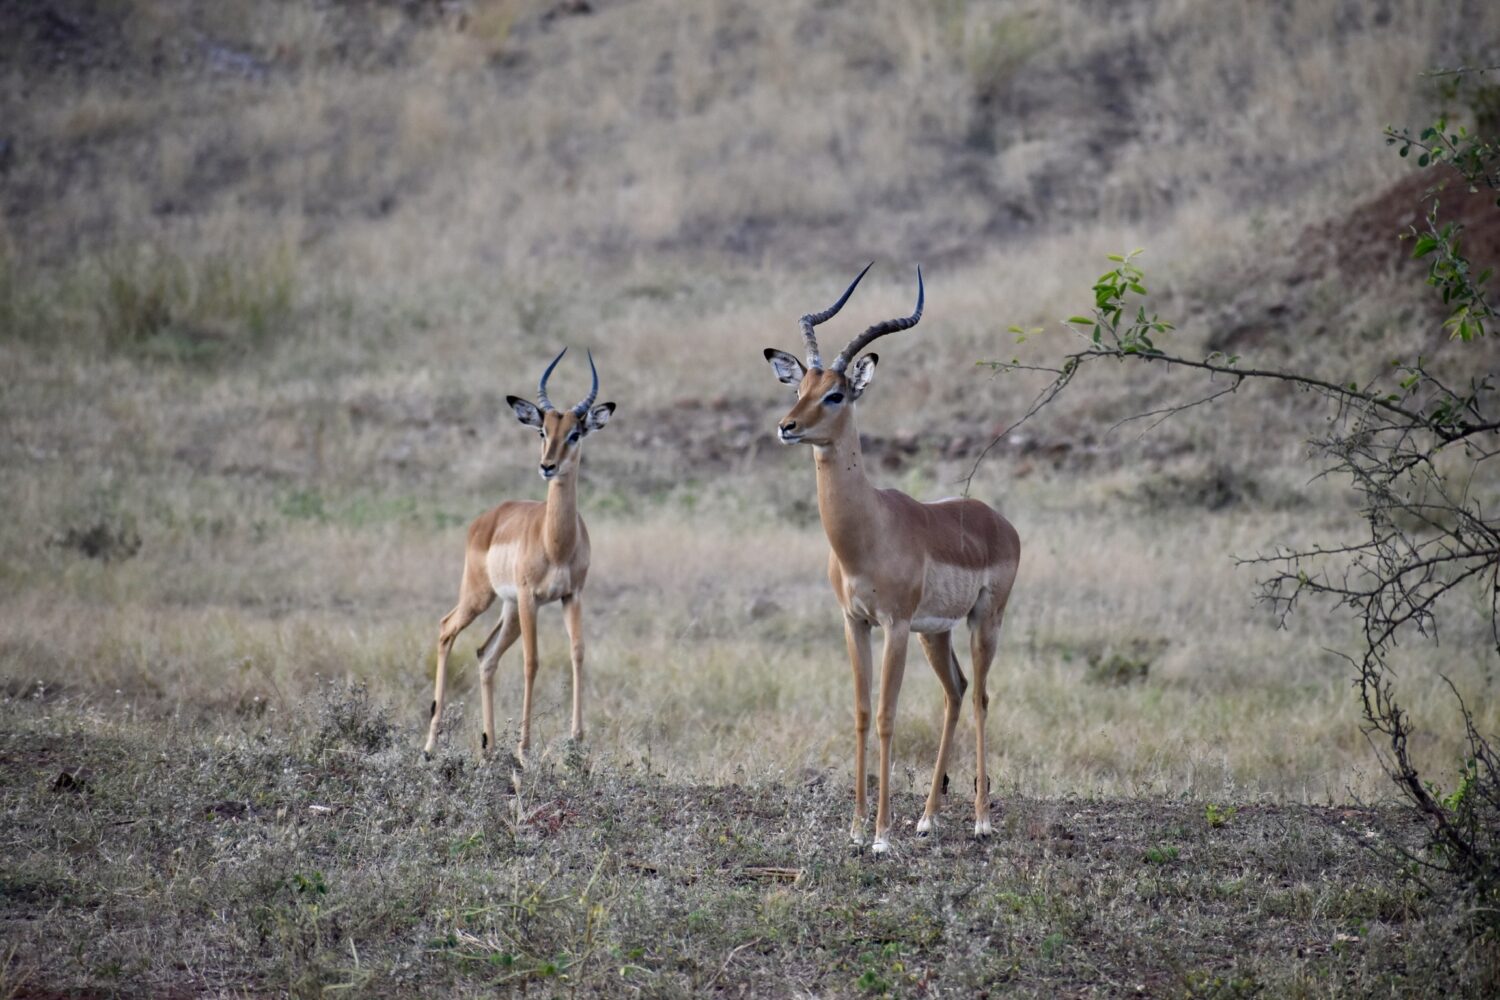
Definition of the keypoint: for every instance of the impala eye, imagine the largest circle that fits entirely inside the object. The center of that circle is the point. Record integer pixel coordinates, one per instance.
(833, 398)
(573, 437)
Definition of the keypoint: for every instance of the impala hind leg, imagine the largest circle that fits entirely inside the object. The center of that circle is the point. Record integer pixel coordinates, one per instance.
(983, 639)
(500, 639)
(892, 668)
(857, 636)
(939, 650)
(472, 602)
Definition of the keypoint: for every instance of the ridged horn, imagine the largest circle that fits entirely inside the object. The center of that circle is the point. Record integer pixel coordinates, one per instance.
(813, 319)
(541, 387)
(582, 409)
(879, 330)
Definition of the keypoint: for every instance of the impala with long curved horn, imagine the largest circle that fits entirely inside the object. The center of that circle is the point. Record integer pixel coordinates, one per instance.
(528, 553)
(899, 564)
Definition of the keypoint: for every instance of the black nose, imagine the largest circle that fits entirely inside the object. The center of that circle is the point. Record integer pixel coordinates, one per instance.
(790, 425)
(549, 466)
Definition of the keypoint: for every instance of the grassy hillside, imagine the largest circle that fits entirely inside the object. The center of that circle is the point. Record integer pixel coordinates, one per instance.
(267, 272)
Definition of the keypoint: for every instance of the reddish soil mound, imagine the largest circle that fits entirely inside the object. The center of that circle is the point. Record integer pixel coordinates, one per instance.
(1363, 250)
(1368, 240)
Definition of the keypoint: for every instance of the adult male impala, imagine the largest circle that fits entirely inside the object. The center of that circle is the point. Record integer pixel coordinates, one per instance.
(527, 554)
(903, 565)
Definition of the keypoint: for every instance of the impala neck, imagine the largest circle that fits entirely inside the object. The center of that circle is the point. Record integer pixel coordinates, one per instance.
(560, 526)
(846, 500)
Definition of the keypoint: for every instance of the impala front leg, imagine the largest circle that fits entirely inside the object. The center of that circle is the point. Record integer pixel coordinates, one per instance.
(526, 611)
(857, 636)
(573, 618)
(470, 606)
(892, 667)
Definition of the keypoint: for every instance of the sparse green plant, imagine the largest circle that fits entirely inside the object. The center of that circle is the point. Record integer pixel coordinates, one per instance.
(1161, 854)
(309, 887)
(304, 505)
(1217, 816)
(1116, 668)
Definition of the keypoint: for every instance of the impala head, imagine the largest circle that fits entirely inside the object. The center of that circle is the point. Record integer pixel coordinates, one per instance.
(825, 397)
(562, 431)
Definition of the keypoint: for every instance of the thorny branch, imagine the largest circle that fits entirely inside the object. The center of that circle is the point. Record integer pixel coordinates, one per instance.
(1409, 444)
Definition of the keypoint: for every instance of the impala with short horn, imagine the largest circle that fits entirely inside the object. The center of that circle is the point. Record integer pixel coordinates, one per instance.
(528, 553)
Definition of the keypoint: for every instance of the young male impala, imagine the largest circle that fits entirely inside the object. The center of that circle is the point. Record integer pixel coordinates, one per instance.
(903, 565)
(527, 554)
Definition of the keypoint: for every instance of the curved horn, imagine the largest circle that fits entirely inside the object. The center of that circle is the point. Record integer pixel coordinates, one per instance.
(582, 408)
(880, 330)
(541, 387)
(813, 319)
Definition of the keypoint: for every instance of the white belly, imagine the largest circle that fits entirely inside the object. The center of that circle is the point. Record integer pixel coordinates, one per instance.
(500, 565)
(948, 595)
(931, 624)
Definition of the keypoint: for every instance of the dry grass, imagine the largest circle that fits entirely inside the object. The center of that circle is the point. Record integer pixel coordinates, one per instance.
(418, 192)
(261, 305)
(171, 859)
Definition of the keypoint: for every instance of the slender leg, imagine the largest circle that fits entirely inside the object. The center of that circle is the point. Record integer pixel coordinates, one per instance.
(500, 640)
(573, 619)
(857, 636)
(892, 667)
(983, 638)
(939, 650)
(526, 612)
(471, 604)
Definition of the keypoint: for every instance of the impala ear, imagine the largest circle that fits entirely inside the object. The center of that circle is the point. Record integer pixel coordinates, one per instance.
(598, 416)
(526, 412)
(788, 369)
(861, 373)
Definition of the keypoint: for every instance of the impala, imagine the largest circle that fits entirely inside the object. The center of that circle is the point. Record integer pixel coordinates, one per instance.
(528, 554)
(897, 563)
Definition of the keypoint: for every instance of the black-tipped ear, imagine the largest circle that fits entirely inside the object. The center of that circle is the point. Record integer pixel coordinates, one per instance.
(526, 411)
(861, 373)
(598, 416)
(788, 369)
